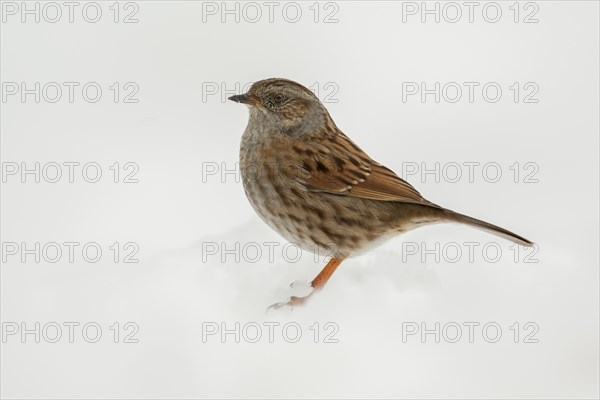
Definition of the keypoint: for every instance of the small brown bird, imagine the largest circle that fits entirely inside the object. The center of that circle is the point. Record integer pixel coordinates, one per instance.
(316, 188)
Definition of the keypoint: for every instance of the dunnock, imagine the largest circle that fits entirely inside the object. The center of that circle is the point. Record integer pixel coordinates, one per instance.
(315, 187)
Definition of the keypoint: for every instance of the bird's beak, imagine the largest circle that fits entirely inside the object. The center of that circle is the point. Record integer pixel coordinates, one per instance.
(246, 99)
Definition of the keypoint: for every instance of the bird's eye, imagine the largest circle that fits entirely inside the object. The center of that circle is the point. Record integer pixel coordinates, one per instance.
(279, 98)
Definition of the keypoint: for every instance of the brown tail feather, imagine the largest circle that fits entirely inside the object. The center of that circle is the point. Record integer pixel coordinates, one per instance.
(486, 226)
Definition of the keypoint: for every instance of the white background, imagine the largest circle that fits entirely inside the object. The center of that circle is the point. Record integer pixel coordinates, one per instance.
(175, 130)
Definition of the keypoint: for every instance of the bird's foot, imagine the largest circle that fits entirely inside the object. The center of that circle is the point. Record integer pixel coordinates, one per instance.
(314, 286)
(293, 301)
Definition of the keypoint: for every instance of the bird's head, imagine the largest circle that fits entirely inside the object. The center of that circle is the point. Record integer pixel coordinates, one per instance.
(289, 106)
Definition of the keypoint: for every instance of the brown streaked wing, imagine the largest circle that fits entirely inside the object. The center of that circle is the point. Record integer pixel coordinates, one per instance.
(336, 165)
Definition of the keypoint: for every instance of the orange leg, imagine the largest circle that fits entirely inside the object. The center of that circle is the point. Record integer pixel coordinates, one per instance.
(317, 284)
(326, 273)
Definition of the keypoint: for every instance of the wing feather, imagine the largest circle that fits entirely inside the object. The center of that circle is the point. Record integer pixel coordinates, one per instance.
(340, 167)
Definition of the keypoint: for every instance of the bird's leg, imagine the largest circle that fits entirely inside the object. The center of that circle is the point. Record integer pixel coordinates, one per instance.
(316, 284)
(325, 274)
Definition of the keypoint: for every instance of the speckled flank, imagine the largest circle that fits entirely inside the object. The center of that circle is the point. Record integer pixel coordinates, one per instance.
(334, 224)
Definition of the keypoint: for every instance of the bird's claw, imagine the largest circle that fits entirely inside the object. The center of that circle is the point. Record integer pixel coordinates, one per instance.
(293, 301)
